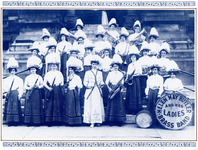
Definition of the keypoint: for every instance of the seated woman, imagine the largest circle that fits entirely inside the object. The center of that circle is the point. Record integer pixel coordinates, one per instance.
(115, 105)
(173, 84)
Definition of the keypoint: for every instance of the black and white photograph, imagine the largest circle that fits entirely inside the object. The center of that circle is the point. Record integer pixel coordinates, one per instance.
(98, 74)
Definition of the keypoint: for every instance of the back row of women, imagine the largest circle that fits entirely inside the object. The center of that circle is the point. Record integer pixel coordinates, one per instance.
(54, 91)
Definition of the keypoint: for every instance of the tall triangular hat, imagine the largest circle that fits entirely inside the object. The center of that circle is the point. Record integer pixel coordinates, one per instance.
(45, 33)
(52, 59)
(34, 61)
(173, 67)
(12, 63)
(74, 48)
(79, 23)
(116, 59)
(137, 23)
(80, 34)
(88, 44)
(165, 46)
(113, 21)
(153, 32)
(35, 46)
(64, 31)
(124, 32)
(145, 46)
(95, 59)
(51, 42)
(100, 30)
(133, 50)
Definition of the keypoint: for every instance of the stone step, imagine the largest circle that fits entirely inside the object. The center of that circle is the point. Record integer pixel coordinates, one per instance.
(187, 53)
(19, 55)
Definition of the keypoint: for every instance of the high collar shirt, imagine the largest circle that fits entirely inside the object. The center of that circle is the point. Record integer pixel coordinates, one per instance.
(114, 77)
(74, 81)
(51, 75)
(134, 66)
(173, 84)
(33, 79)
(105, 64)
(122, 48)
(63, 46)
(154, 82)
(17, 84)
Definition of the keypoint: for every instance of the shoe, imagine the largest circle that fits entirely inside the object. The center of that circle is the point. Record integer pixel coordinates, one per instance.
(92, 125)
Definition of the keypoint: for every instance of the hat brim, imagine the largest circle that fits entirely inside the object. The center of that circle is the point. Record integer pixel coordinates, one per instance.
(94, 61)
(45, 36)
(174, 71)
(101, 34)
(113, 24)
(31, 49)
(123, 35)
(76, 51)
(49, 46)
(152, 67)
(155, 36)
(89, 47)
(137, 55)
(37, 67)
(117, 63)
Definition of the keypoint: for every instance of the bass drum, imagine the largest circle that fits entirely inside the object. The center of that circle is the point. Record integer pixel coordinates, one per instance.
(144, 119)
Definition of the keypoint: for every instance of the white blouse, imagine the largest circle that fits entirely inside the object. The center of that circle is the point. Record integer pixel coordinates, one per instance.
(63, 46)
(106, 64)
(31, 79)
(173, 84)
(77, 61)
(87, 60)
(154, 47)
(74, 81)
(98, 46)
(17, 85)
(89, 78)
(164, 63)
(114, 77)
(145, 61)
(122, 48)
(134, 66)
(154, 82)
(49, 76)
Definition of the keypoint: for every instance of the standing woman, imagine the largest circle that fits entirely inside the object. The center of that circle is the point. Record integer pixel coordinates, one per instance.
(133, 99)
(93, 102)
(33, 84)
(13, 90)
(115, 107)
(53, 82)
(72, 110)
(63, 49)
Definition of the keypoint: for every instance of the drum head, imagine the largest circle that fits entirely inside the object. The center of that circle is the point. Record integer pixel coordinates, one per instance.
(144, 119)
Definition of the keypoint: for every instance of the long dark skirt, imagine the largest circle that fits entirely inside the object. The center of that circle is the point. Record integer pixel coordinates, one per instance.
(63, 68)
(71, 109)
(133, 97)
(12, 111)
(53, 105)
(152, 99)
(143, 80)
(34, 108)
(115, 109)
(105, 90)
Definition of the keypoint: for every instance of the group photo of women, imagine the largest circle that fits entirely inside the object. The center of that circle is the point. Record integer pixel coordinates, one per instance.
(74, 80)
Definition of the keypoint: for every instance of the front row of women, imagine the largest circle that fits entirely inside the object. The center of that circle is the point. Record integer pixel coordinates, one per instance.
(62, 105)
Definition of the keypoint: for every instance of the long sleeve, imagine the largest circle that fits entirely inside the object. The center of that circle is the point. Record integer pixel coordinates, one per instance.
(161, 81)
(20, 84)
(86, 79)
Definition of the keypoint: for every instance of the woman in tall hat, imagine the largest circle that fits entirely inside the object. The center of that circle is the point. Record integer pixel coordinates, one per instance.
(88, 55)
(72, 109)
(133, 97)
(138, 33)
(153, 36)
(12, 90)
(106, 61)
(145, 60)
(63, 49)
(113, 33)
(79, 28)
(115, 106)
(35, 49)
(98, 45)
(45, 37)
(173, 84)
(80, 41)
(33, 114)
(53, 82)
(93, 102)
(74, 53)
(51, 54)
(164, 62)
(154, 88)
(122, 47)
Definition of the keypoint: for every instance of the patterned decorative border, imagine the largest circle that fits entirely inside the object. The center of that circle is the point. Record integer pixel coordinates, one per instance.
(99, 144)
(102, 3)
